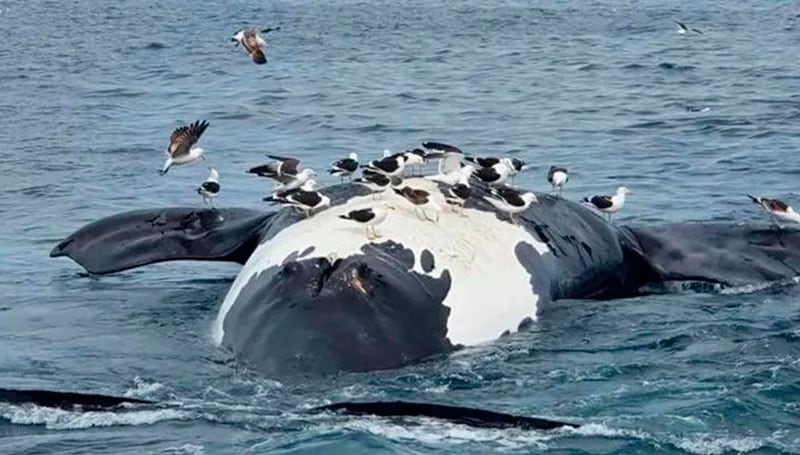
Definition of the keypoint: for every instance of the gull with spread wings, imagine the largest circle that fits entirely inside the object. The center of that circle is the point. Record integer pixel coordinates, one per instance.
(252, 41)
(183, 147)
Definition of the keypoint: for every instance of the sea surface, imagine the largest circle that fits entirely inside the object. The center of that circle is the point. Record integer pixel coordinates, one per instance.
(90, 91)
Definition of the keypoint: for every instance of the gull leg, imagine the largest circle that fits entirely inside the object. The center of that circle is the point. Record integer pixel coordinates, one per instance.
(375, 234)
(366, 232)
(416, 212)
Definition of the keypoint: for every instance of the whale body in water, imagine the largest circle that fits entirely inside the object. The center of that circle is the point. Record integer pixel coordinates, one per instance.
(315, 296)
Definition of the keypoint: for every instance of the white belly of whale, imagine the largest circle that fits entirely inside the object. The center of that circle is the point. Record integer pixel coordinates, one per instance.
(491, 290)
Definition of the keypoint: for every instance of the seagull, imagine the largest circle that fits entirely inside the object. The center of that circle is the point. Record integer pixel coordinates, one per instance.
(345, 167)
(304, 200)
(558, 177)
(420, 199)
(495, 175)
(376, 182)
(514, 164)
(294, 182)
(252, 41)
(281, 169)
(369, 217)
(609, 204)
(415, 158)
(450, 162)
(183, 147)
(438, 147)
(457, 195)
(777, 209)
(210, 188)
(682, 29)
(390, 166)
(511, 201)
(460, 175)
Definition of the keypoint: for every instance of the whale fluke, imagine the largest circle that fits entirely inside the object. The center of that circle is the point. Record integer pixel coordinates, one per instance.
(456, 414)
(142, 237)
(65, 400)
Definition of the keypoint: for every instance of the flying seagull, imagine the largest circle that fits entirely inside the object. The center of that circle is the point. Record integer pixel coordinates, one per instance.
(183, 147)
(777, 209)
(682, 29)
(609, 204)
(252, 41)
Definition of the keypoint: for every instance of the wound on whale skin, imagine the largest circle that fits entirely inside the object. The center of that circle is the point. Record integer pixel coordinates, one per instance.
(364, 312)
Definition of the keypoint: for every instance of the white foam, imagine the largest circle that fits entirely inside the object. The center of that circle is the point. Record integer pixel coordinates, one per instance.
(188, 449)
(436, 432)
(490, 291)
(710, 445)
(60, 419)
(142, 388)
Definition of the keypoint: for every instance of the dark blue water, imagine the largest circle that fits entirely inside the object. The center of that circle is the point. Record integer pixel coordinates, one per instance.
(89, 92)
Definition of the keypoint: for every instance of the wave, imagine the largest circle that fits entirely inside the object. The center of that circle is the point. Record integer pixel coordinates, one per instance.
(60, 419)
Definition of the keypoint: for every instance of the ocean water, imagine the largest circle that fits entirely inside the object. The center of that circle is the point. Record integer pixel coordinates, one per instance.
(89, 92)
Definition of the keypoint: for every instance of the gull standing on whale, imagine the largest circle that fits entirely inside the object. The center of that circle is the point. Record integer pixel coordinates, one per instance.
(609, 204)
(210, 188)
(421, 199)
(496, 174)
(345, 167)
(391, 166)
(451, 169)
(369, 217)
(306, 201)
(558, 177)
(252, 41)
(285, 171)
(511, 201)
(777, 209)
(376, 182)
(183, 147)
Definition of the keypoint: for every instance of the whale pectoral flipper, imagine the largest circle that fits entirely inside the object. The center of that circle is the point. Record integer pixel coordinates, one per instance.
(726, 254)
(142, 237)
